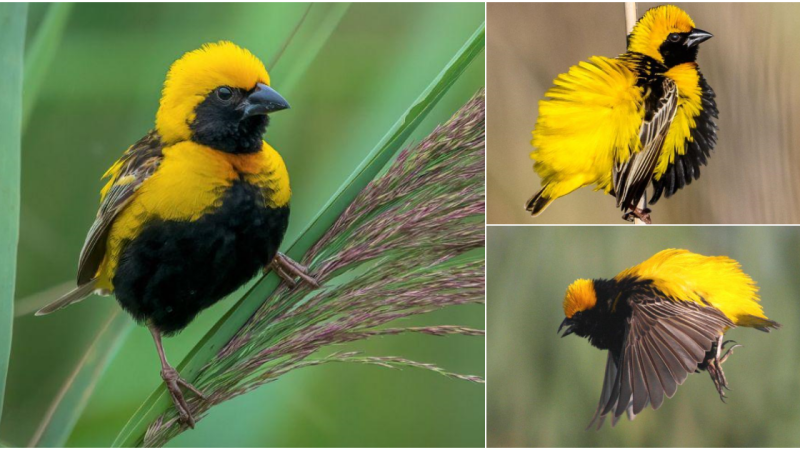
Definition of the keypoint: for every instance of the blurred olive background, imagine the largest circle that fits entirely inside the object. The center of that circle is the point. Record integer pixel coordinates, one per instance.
(749, 63)
(101, 94)
(543, 390)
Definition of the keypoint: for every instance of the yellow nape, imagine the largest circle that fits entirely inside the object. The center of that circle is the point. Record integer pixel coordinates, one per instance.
(718, 280)
(653, 28)
(590, 118)
(196, 74)
(580, 296)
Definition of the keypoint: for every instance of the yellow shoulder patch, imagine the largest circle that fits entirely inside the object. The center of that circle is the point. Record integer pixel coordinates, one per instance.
(189, 182)
(690, 105)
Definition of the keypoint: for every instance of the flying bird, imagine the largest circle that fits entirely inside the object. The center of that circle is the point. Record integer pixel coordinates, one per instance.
(660, 321)
(195, 208)
(621, 124)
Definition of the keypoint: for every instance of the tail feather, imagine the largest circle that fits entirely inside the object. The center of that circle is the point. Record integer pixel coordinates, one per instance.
(73, 296)
(759, 323)
(538, 203)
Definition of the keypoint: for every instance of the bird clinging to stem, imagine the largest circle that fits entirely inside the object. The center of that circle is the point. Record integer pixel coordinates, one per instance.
(197, 207)
(644, 117)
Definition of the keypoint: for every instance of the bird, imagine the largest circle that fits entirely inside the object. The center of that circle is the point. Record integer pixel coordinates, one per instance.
(660, 321)
(195, 208)
(620, 124)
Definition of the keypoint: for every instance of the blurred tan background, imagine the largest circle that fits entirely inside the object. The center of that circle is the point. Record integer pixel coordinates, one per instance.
(543, 390)
(751, 63)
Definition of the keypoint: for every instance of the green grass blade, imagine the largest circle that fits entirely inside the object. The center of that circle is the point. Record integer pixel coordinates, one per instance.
(13, 18)
(63, 413)
(132, 434)
(40, 55)
(320, 22)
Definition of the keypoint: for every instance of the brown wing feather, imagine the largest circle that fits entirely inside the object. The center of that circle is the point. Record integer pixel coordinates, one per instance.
(632, 177)
(137, 164)
(665, 341)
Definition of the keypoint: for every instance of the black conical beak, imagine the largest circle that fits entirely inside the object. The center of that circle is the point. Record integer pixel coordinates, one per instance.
(697, 36)
(566, 323)
(263, 100)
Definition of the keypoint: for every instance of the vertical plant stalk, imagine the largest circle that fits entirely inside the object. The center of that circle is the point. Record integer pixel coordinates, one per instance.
(41, 52)
(319, 22)
(630, 22)
(13, 18)
(630, 17)
(409, 244)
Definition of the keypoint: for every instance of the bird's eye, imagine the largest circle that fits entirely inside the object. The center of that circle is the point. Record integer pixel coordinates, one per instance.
(674, 37)
(224, 93)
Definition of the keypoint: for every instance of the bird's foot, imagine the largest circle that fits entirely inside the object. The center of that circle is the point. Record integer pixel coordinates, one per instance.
(174, 382)
(729, 351)
(289, 270)
(638, 213)
(714, 368)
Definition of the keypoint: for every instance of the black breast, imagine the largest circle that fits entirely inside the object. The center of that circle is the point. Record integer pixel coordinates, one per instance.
(175, 269)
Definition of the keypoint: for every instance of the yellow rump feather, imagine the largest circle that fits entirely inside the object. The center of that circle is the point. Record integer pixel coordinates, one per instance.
(718, 280)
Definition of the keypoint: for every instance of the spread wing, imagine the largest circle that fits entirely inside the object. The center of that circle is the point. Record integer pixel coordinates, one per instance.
(665, 341)
(632, 177)
(126, 175)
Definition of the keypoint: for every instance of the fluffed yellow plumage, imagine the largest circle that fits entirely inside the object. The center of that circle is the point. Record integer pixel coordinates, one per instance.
(706, 280)
(591, 121)
(620, 124)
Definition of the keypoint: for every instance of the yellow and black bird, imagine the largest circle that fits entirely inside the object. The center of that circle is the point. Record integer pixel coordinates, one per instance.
(197, 207)
(647, 116)
(661, 321)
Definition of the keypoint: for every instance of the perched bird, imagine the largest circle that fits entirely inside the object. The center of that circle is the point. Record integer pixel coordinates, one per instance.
(620, 124)
(197, 207)
(661, 321)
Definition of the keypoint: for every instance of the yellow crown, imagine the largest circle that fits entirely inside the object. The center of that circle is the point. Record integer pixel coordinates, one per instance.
(580, 297)
(653, 28)
(194, 75)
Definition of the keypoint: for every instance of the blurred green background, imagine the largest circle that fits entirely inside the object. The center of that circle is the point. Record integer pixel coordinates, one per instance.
(750, 64)
(100, 95)
(543, 390)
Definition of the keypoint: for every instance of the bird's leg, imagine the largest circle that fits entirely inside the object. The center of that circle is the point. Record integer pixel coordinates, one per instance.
(173, 381)
(639, 211)
(714, 365)
(288, 270)
(643, 215)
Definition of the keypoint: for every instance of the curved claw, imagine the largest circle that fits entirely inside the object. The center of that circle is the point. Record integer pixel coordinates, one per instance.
(288, 270)
(173, 381)
(729, 351)
(638, 213)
